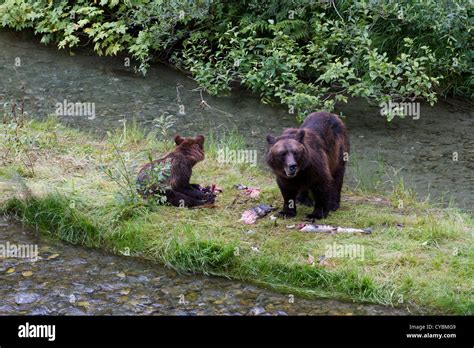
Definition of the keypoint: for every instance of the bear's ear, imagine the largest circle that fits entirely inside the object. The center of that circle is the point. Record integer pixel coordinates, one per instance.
(271, 139)
(178, 140)
(300, 135)
(199, 140)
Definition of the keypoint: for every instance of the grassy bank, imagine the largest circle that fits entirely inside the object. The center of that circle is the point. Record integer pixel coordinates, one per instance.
(419, 256)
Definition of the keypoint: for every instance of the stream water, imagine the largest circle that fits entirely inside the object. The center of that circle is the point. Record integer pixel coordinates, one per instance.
(70, 280)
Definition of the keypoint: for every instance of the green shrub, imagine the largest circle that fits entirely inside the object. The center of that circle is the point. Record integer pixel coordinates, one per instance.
(304, 54)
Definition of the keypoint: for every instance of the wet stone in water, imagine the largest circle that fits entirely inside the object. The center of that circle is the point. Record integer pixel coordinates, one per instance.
(22, 298)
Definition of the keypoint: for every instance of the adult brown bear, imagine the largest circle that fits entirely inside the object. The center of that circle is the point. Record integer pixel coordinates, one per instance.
(310, 159)
(180, 193)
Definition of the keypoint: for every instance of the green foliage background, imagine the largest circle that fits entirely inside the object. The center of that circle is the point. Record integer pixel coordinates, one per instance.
(305, 54)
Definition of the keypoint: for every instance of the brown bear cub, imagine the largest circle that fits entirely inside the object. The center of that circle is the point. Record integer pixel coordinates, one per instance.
(180, 192)
(310, 160)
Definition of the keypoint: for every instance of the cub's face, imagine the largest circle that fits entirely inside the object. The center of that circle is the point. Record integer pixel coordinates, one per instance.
(191, 148)
(286, 156)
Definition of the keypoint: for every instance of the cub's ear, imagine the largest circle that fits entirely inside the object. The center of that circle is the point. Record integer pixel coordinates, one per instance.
(300, 135)
(271, 139)
(199, 140)
(178, 140)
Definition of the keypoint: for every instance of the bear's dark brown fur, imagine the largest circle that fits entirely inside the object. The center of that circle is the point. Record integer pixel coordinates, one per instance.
(180, 193)
(310, 160)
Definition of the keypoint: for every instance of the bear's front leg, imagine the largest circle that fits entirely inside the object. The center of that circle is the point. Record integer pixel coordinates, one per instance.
(289, 197)
(191, 191)
(209, 196)
(321, 203)
(304, 198)
(181, 200)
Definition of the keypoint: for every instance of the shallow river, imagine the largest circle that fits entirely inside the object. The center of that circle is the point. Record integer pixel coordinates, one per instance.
(69, 280)
(421, 151)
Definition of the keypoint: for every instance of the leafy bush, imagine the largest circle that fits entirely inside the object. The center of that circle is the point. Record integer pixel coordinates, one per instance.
(128, 199)
(304, 54)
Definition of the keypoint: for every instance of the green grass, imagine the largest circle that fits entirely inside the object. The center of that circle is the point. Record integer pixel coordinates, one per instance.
(419, 256)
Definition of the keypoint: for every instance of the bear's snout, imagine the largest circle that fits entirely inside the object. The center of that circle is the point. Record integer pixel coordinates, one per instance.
(292, 170)
(291, 167)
